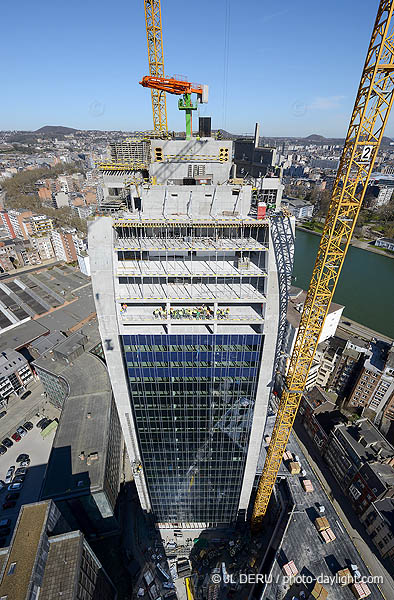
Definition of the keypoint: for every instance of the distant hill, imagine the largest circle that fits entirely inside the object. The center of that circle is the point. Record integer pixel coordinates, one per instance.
(323, 140)
(315, 138)
(55, 130)
(48, 132)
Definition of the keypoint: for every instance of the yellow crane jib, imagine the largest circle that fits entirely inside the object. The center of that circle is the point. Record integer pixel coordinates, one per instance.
(370, 114)
(154, 38)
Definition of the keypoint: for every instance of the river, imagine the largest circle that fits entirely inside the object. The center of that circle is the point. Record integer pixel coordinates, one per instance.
(366, 284)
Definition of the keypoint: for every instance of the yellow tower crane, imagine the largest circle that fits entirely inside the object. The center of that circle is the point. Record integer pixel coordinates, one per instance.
(156, 62)
(369, 118)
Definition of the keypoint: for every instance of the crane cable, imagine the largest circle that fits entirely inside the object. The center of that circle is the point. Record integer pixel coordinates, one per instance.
(226, 59)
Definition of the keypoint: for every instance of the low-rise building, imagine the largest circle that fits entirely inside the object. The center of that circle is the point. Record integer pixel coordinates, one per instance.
(83, 472)
(327, 355)
(61, 199)
(47, 560)
(15, 373)
(300, 209)
(319, 414)
(386, 243)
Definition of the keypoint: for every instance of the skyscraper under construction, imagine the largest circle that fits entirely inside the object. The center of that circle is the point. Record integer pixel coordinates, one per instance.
(188, 296)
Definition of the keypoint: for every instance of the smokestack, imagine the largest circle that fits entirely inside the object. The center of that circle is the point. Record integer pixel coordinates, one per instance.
(256, 135)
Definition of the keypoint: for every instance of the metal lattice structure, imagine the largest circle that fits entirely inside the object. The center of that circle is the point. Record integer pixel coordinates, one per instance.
(156, 62)
(371, 111)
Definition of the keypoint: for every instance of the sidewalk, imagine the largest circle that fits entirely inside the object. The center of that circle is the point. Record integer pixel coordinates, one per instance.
(349, 519)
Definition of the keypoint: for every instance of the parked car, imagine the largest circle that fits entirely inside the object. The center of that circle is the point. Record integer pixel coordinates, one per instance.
(10, 473)
(46, 423)
(4, 523)
(28, 425)
(14, 486)
(20, 471)
(25, 395)
(7, 442)
(3, 449)
(3, 414)
(19, 479)
(25, 463)
(22, 431)
(22, 457)
(16, 437)
(40, 422)
(9, 504)
(12, 496)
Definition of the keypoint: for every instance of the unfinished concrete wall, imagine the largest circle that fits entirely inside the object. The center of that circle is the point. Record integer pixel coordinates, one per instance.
(101, 252)
(266, 376)
(171, 159)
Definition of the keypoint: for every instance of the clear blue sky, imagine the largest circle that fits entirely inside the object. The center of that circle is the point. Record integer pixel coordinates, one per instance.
(294, 66)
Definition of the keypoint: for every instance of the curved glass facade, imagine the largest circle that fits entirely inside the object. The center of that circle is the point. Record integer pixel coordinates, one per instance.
(193, 400)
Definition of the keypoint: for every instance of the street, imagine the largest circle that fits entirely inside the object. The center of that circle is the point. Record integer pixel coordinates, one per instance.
(349, 519)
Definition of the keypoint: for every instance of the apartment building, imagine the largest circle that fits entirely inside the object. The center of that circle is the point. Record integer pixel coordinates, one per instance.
(375, 383)
(63, 244)
(328, 351)
(299, 208)
(379, 523)
(347, 369)
(6, 223)
(36, 225)
(43, 245)
(361, 460)
(16, 218)
(15, 373)
(319, 414)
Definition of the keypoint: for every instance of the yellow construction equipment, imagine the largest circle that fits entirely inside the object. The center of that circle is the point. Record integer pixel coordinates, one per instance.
(156, 62)
(369, 118)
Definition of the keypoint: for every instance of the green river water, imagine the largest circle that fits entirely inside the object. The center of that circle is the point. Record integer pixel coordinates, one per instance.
(366, 285)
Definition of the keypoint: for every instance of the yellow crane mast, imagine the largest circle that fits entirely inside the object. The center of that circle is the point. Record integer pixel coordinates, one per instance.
(370, 114)
(156, 62)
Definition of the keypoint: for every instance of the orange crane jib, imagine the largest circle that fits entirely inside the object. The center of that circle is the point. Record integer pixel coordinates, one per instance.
(172, 86)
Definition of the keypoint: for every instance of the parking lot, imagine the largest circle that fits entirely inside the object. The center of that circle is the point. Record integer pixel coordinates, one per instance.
(38, 450)
(19, 410)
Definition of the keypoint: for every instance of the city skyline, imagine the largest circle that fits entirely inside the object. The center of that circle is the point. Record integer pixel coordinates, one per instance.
(279, 80)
